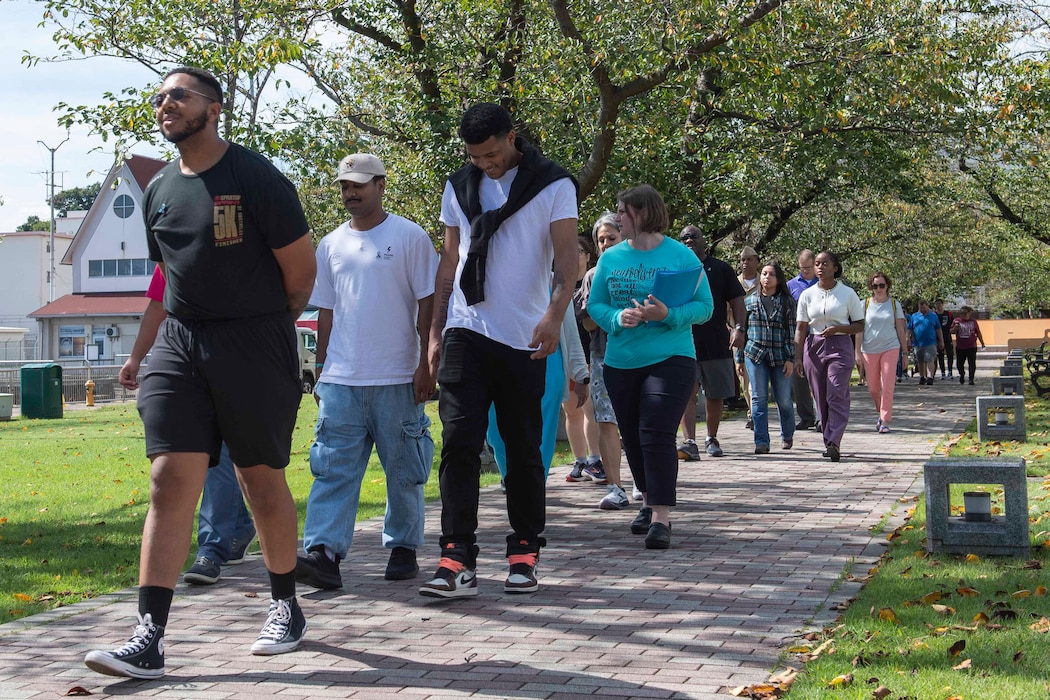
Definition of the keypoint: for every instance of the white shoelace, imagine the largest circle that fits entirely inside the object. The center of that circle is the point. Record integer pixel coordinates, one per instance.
(140, 638)
(277, 620)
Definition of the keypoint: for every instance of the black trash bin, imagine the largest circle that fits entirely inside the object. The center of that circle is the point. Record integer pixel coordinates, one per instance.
(41, 390)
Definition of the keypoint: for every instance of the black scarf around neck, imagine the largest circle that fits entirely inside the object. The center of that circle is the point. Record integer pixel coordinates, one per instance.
(534, 173)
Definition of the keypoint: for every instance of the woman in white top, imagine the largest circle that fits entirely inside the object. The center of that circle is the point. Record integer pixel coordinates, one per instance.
(828, 313)
(878, 348)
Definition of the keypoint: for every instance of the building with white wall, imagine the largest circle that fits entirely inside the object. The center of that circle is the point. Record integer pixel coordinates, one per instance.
(110, 269)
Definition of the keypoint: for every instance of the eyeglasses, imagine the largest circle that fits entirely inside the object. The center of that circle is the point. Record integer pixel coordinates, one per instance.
(176, 94)
(879, 285)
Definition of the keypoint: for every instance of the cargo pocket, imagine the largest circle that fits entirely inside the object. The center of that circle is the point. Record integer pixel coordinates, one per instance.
(417, 451)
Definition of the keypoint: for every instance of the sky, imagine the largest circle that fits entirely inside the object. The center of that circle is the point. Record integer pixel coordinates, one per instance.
(26, 116)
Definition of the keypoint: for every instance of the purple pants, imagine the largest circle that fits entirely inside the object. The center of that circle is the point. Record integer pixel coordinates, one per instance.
(829, 364)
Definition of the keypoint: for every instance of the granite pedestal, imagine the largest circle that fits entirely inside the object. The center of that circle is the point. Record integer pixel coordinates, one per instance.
(1005, 535)
(1008, 385)
(1011, 423)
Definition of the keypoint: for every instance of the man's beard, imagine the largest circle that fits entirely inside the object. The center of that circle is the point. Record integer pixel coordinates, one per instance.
(192, 127)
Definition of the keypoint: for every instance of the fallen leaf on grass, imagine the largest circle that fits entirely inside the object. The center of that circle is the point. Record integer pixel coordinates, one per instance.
(888, 615)
(759, 690)
(1040, 590)
(881, 692)
(1018, 655)
(1042, 627)
(23, 597)
(931, 598)
(980, 618)
(963, 666)
(1005, 614)
(943, 609)
(956, 649)
(967, 592)
(846, 679)
(1021, 594)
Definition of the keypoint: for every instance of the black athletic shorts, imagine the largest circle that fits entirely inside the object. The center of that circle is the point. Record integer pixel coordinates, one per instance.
(212, 381)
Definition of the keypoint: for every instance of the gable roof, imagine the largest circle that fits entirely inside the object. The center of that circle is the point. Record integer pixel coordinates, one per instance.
(95, 304)
(142, 170)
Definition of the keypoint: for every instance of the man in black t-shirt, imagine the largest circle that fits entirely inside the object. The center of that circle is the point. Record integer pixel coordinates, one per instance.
(948, 352)
(230, 234)
(714, 343)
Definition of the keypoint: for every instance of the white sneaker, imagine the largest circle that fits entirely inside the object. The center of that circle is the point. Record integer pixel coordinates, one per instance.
(615, 499)
(636, 494)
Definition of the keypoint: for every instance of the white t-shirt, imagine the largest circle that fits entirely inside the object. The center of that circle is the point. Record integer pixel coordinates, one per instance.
(880, 326)
(372, 281)
(838, 306)
(520, 256)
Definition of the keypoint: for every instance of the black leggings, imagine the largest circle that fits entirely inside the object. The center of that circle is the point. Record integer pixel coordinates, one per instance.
(966, 355)
(947, 354)
(649, 402)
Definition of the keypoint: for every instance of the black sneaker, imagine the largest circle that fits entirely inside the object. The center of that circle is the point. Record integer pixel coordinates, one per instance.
(640, 525)
(596, 472)
(522, 577)
(141, 657)
(204, 572)
(804, 425)
(658, 536)
(317, 570)
(402, 565)
(453, 578)
(284, 628)
(240, 548)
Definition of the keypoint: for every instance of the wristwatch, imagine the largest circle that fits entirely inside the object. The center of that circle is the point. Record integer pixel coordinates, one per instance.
(586, 380)
(738, 327)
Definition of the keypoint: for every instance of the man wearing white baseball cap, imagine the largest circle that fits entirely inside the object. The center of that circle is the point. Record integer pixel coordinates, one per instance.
(375, 292)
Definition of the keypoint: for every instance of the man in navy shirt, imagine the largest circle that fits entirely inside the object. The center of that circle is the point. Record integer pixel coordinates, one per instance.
(807, 277)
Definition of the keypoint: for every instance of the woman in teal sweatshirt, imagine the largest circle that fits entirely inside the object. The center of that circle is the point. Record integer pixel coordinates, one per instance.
(650, 362)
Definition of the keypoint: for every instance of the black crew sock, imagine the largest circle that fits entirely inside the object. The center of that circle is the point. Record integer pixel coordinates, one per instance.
(156, 600)
(282, 586)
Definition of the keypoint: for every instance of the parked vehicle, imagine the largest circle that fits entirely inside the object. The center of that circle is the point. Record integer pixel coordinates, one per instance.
(307, 349)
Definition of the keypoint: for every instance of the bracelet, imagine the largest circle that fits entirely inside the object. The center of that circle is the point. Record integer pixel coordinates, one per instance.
(318, 365)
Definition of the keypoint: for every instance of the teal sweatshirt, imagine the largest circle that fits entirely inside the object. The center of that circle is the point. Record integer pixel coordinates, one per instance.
(623, 274)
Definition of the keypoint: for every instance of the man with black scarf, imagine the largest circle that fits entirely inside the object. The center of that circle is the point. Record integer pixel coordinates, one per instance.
(509, 215)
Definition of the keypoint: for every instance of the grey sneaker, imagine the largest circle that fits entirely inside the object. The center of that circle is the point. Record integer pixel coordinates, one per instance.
(284, 628)
(576, 474)
(614, 499)
(688, 451)
(712, 447)
(204, 572)
(596, 473)
(141, 657)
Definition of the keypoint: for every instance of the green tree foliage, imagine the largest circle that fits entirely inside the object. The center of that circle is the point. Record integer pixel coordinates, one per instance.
(768, 123)
(33, 223)
(76, 198)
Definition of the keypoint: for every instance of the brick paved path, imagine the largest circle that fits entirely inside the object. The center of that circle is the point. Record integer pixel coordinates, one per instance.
(759, 546)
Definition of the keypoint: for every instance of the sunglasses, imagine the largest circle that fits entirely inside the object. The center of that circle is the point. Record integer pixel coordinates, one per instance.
(177, 94)
(879, 285)
(689, 237)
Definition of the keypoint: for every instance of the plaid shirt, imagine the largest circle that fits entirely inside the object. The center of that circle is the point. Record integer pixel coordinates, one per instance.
(770, 337)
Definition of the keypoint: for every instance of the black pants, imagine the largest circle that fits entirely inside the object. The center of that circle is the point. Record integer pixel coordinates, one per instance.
(947, 354)
(649, 402)
(476, 372)
(966, 356)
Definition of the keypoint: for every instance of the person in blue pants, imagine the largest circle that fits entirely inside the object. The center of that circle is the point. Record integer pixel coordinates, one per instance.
(568, 357)
(225, 528)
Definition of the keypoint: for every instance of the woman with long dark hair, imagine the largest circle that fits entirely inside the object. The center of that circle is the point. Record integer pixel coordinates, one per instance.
(769, 354)
(828, 313)
(650, 361)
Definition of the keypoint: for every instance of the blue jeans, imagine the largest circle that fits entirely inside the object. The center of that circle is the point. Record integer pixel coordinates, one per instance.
(762, 375)
(550, 407)
(223, 516)
(350, 421)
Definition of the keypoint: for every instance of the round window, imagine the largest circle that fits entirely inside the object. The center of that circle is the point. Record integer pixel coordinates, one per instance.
(124, 206)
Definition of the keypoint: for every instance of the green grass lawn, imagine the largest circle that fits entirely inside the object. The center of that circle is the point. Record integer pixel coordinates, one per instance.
(74, 495)
(943, 626)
